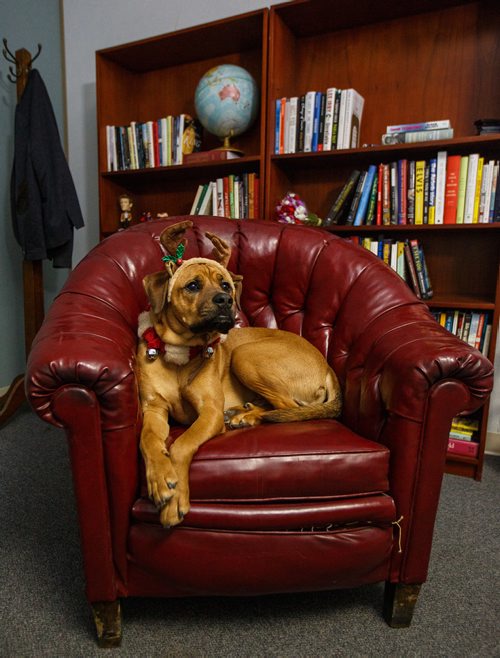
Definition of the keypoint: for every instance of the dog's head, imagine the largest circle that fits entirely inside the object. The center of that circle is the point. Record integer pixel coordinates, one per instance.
(199, 295)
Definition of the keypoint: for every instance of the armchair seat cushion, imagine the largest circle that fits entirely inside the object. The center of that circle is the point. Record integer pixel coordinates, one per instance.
(285, 476)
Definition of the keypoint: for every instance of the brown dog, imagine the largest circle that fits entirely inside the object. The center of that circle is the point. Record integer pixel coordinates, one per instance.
(211, 375)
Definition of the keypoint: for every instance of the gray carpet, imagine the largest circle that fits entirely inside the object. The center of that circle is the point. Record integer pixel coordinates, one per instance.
(43, 610)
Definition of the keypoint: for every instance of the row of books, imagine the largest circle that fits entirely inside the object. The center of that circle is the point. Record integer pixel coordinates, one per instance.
(232, 196)
(318, 121)
(159, 143)
(406, 257)
(410, 133)
(446, 189)
(464, 437)
(473, 327)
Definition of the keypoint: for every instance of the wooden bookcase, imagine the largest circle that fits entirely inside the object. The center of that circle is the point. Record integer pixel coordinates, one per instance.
(148, 79)
(411, 61)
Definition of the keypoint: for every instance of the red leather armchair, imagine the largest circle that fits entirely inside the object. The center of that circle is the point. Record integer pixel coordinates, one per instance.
(278, 508)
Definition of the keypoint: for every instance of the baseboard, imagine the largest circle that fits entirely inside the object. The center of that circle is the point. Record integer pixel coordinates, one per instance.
(493, 443)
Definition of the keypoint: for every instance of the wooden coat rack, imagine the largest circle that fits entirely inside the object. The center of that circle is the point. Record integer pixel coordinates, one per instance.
(32, 270)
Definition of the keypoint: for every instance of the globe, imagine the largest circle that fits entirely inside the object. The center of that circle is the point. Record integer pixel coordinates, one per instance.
(226, 101)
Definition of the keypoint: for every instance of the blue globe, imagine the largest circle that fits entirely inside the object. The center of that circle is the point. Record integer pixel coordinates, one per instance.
(226, 100)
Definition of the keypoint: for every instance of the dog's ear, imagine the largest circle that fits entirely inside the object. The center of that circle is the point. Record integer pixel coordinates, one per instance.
(173, 236)
(156, 287)
(222, 251)
(238, 287)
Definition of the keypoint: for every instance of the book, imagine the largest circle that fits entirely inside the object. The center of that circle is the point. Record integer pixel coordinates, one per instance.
(402, 191)
(411, 269)
(431, 201)
(470, 190)
(365, 196)
(462, 184)
(451, 189)
(336, 114)
(309, 120)
(210, 156)
(466, 448)
(329, 107)
(442, 157)
(424, 125)
(394, 192)
(196, 200)
(420, 166)
(356, 198)
(416, 136)
(342, 200)
(316, 121)
(425, 292)
(353, 113)
(477, 195)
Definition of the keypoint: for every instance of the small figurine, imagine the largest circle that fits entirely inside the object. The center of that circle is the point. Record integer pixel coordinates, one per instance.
(126, 205)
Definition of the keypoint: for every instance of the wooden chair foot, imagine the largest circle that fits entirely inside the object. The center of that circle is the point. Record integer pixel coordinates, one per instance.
(399, 603)
(108, 623)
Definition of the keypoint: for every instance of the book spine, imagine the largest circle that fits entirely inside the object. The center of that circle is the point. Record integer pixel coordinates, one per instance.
(403, 191)
(471, 188)
(410, 213)
(424, 125)
(356, 199)
(417, 136)
(336, 116)
(419, 191)
(309, 120)
(451, 189)
(365, 196)
(462, 184)
(330, 102)
(412, 272)
(432, 169)
(479, 178)
(440, 186)
(470, 449)
(342, 199)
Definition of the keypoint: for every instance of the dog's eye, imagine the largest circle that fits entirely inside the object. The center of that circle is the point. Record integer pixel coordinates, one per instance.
(193, 286)
(225, 286)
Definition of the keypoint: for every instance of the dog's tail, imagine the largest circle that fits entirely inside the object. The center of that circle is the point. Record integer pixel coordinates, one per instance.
(330, 408)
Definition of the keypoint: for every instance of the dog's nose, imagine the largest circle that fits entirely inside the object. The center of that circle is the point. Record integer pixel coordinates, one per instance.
(222, 299)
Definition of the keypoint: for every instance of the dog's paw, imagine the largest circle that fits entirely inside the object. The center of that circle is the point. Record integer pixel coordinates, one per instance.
(162, 480)
(174, 511)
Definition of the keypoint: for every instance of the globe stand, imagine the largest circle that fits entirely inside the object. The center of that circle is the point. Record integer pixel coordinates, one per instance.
(226, 146)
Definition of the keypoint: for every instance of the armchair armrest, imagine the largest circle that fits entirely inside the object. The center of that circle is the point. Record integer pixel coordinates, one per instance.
(405, 379)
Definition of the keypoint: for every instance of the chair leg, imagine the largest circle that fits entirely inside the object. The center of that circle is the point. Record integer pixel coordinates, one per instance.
(108, 623)
(399, 603)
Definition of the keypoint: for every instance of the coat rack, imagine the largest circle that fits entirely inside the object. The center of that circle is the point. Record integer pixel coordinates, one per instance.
(32, 270)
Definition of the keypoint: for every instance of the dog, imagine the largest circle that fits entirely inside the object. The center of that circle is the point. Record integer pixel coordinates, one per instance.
(194, 366)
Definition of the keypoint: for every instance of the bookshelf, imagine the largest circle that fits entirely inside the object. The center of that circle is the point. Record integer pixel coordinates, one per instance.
(151, 78)
(410, 61)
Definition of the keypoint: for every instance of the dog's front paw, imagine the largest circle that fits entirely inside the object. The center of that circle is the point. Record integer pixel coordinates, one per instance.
(174, 511)
(162, 480)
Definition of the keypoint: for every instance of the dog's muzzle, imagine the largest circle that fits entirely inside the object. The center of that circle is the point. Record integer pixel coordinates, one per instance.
(221, 318)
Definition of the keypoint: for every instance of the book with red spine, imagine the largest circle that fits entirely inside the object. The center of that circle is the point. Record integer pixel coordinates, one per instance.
(466, 448)
(451, 189)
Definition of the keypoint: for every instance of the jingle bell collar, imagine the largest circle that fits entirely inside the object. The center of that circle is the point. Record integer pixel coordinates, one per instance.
(177, 354)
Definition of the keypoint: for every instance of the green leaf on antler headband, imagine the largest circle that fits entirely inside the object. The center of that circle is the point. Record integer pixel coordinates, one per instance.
(177, 259)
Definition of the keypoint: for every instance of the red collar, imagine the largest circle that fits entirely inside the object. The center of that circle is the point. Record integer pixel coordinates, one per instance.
(177, 354)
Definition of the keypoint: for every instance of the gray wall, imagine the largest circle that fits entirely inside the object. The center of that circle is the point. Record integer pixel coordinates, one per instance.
(24, 23)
